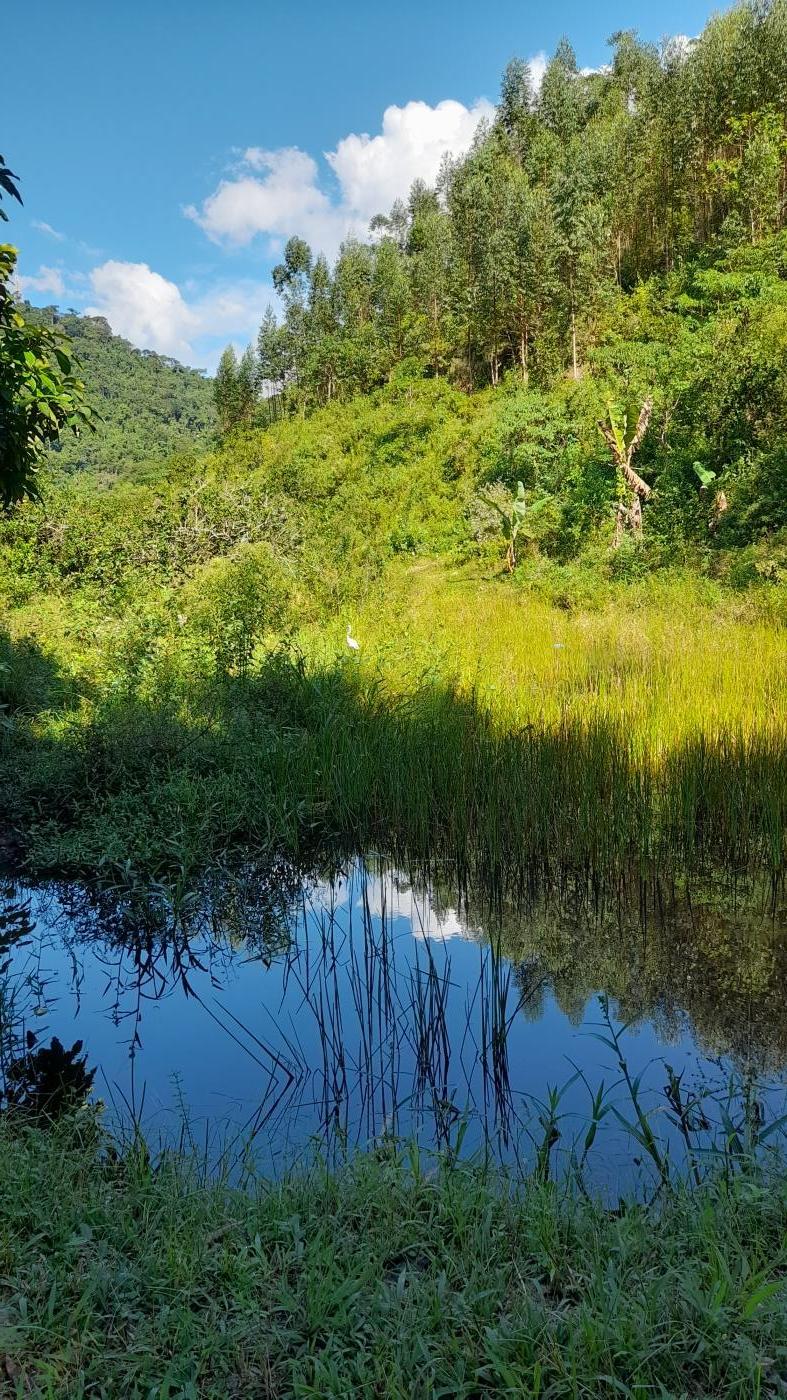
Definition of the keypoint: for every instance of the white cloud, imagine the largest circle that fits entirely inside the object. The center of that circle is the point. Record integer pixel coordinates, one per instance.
(46, 280)
(375, 170)
(678, 47)
(279, 193)
(50, 232)
(143, 306)
(154, 314)
(233, 308)
(284, 196)
(538, 66)
(385, 896)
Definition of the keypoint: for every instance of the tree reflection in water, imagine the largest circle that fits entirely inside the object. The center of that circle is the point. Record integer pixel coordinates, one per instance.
(354, 1001)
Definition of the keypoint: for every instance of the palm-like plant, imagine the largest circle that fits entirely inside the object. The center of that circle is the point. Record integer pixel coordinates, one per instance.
(614, 430)
(514, 517)
(706, 478)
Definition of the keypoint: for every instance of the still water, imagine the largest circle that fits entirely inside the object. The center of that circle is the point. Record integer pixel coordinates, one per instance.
(284, 1013)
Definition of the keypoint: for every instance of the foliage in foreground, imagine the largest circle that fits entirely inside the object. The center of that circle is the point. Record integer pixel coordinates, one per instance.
(394, 1277)
(40, 394)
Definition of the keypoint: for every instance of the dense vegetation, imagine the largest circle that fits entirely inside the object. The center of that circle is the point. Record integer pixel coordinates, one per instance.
(614, 245)
(177, 679)
(527, 446)
(390, 1278)
(150, 407)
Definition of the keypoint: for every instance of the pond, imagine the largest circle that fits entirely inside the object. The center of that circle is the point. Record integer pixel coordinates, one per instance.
(272, 1013)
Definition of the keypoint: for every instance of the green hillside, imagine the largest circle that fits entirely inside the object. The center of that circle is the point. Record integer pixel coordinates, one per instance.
(150, 406)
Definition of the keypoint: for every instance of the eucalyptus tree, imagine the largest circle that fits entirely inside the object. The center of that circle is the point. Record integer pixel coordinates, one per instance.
(482, 239)
(619, 141)
(535, 285)
(430, 256)
(391, 300)
(292, 280)
(353, 293)
(582, 242)
(560, 101)
(515, 108)
(274, 362)
(320, 371)
(235, 388)
(395, 225)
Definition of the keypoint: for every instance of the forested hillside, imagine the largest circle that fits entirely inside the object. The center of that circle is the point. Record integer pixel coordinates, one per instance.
(611, 250)
(150, 406)
(522, 256)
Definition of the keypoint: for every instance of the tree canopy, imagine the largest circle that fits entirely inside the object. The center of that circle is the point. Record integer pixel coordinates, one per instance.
(572, 197)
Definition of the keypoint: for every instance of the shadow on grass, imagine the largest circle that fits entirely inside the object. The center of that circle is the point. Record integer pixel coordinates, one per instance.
(298, 758)
(30, 681)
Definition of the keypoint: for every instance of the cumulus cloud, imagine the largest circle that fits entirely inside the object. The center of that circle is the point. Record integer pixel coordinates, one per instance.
(48, 280)
(282, 195)
(50, 232)
(154, 314)
(538, 67)
(678, 47)
(143, 306)
(374, 170)
(279, 193)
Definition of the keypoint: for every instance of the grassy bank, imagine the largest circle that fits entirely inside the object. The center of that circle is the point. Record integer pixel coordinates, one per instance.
(393, 1277)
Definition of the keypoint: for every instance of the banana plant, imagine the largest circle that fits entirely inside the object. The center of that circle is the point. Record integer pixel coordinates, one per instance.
(514, 518)
(614, 430)
(705, 476)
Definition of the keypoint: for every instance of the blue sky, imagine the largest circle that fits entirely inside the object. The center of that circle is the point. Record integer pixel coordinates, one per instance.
(167, 148)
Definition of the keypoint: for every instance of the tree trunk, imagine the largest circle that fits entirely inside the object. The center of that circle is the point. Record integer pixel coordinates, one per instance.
(638, 486)
(574, 371)
(574, 365)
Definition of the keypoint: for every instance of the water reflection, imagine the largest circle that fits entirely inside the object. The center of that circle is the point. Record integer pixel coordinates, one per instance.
(279, 1011)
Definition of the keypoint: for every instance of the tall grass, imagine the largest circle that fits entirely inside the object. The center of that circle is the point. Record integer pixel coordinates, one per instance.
(668, 660)
(479, 726)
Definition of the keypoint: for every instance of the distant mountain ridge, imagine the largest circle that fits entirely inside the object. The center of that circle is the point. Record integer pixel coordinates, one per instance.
(151, 406)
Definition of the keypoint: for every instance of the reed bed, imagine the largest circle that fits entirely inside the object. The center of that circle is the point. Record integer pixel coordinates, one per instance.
(666, 662)
(477, 724)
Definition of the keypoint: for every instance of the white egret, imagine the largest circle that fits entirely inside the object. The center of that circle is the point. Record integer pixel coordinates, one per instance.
(351, 642)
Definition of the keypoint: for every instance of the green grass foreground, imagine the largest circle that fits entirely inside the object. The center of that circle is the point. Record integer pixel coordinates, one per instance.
(391, 1277)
